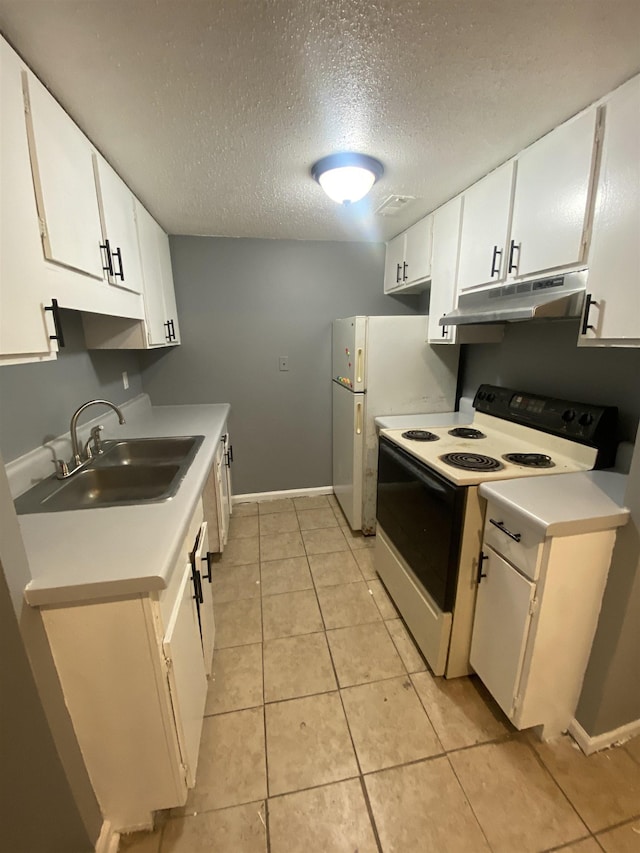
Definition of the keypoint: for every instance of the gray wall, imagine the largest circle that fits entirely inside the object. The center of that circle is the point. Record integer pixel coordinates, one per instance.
(543, 357)
(243, 303)
(37, 400)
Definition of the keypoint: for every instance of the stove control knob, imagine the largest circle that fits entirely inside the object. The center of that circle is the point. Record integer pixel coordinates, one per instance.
(491, 397)
(481, 395)
(568, 415)
(586, 419)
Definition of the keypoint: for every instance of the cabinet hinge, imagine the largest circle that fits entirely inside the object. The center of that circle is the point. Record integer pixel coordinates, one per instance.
(533, 606)
(183, 768)
(148, 337)
(517, 701)
(43, 227)
(167, 662)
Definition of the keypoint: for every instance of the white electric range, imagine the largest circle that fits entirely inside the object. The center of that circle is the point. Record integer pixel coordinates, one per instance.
(430, 516)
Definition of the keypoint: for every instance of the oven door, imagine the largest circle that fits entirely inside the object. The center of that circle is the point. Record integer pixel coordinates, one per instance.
(422, 514)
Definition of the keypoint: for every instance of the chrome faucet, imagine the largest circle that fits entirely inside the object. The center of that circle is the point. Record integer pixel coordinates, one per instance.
(77, 460)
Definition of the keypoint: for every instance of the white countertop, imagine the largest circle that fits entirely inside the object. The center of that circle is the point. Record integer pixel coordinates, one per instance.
(92, 554)
(561, 506)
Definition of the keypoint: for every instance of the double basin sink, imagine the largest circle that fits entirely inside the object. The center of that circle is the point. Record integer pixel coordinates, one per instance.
(128, 471)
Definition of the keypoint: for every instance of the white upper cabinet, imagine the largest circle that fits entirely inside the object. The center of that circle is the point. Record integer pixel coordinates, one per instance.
(120, 240)
(444, 267)
(551, 204)
(26, 330)
(485, 229)
(612, 315)
(408, 259)
(394, 258)
(159, 298)
(531, 216)
(62, 165)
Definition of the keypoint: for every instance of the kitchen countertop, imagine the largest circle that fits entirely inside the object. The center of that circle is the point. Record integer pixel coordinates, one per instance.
(92, 554)
(564, 505)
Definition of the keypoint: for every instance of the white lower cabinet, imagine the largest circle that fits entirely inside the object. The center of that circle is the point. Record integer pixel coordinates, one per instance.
(133, 672)
(537, 608)
(216, 497)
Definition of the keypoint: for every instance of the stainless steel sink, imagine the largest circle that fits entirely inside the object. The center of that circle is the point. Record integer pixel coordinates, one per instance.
(148, 451)
(130, 471)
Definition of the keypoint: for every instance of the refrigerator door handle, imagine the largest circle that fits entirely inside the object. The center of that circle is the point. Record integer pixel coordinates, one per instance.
(359, 363)
(359, 419)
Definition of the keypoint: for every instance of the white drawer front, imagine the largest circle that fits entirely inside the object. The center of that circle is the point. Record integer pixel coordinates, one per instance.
(508, 533)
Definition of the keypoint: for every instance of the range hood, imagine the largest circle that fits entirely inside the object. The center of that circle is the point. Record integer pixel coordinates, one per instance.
(548, 298)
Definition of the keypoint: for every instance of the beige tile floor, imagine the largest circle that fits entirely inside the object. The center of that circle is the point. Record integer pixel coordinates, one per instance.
(325, 732)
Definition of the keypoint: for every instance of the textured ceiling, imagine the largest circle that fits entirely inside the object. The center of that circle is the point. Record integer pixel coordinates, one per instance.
(213, 112)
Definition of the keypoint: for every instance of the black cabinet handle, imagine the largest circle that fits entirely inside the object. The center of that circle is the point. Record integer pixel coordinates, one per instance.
(118, 273)
(106, 247)
(444, 329)
(55, 312)
(398, 268)
(588, 302)
(208, 560)
(500, 525)
(497, 256)
(511, 267)
(481, 560)
(197, 584)
(173, 330)
(404, 271)
(167, 336)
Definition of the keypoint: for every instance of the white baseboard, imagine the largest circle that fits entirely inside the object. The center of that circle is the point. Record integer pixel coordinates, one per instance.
(589, 744)
(289, 493)
(108, 840)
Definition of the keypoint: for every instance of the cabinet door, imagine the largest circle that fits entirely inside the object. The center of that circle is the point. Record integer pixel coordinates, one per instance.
(552, 199)
(186, 673)
(444, 267)
(614, 257)
(169, 296)
(64, 182)
(485, 229)
(222, 491)
(201, 560)
(24, 329)
(394, 258)
(149, 240)
(417, 252)
(500, 629)
(119, 227)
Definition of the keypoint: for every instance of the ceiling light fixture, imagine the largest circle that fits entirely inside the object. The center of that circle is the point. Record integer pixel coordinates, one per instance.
(347, 177)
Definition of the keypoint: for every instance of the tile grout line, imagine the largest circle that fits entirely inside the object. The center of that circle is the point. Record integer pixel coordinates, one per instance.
(264, 713)
(468, 801)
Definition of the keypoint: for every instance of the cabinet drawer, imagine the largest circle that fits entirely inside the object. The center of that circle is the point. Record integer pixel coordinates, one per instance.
(510, 536)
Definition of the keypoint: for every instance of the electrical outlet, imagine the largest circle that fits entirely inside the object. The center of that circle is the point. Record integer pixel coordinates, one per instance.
(283, 362)
(125, 379)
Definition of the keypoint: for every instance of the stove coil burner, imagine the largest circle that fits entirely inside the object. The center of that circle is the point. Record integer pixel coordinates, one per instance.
(466, 432)
(420, 435)
(472, 461)
(530, 460)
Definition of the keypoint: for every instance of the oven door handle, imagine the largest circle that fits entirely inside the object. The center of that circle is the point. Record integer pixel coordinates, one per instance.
(500, 525)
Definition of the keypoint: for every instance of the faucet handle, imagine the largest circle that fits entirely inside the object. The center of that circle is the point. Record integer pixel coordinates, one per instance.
(97, 441)
(63, 469)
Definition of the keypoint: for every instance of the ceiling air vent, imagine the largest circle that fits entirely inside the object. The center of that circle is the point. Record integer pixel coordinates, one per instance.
(394, 204)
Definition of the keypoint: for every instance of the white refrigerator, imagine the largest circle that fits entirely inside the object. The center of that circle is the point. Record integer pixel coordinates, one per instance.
(381, 366)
